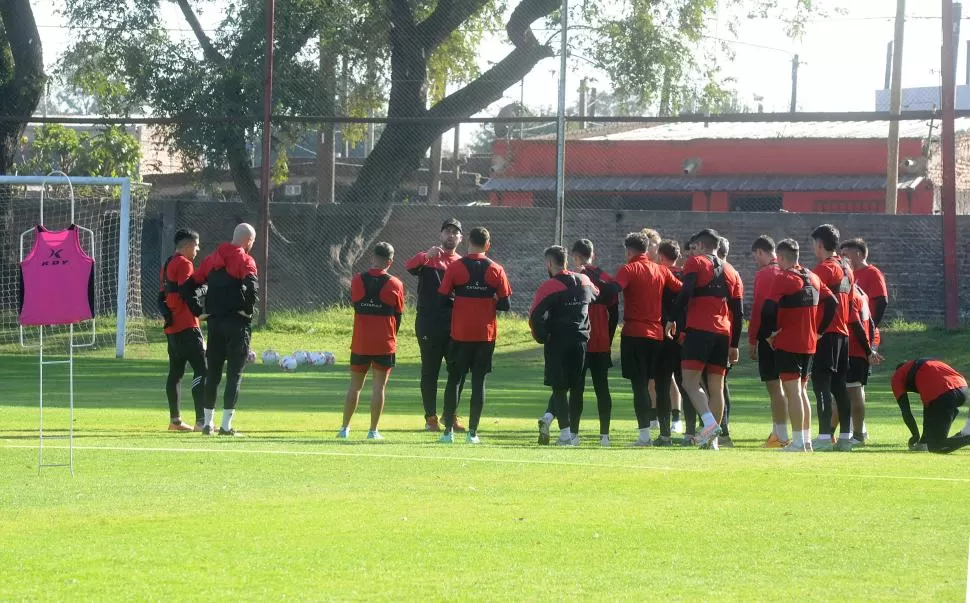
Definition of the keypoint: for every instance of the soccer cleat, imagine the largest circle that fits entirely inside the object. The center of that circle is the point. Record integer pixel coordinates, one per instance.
(447, 438)
(208, 430)
(844, 446)
(858, 443)
(344, 433)
(641, 443)
(725, 442)
(774, 441)
(655, 424)
(820, 445)
(793, 447)
(229, 432)
(457, 427)
(571, 441)
(677, 427)
(712, 445)
(179, 426)
(543, 433)
(689, 440)
(605, 441)
(663, 441)
(708, 433)
(472, 438)
(374, 435)
(431, 424)
(199, 427)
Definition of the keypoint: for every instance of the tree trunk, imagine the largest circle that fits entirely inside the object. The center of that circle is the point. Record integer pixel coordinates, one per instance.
(326, 176)
(22, 82)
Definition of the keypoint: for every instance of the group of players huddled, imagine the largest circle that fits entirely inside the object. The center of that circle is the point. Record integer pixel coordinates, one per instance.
(682, 326)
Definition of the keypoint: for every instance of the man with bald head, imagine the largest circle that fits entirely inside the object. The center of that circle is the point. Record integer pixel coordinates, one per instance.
(230, 273)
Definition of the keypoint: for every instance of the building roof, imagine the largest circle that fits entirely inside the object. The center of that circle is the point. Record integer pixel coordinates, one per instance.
(763, 130)
(689, 184)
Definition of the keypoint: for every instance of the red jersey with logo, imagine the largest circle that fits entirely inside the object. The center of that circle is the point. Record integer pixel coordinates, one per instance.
(859, 314)
(473, 317)
(763, 281)
(933, 379)
(837, 276)
(709, 312)
(799, 295)
(873, 282)
(375, 326)
(179, 270)
(430, 272)
(643, 283)
(600, 338)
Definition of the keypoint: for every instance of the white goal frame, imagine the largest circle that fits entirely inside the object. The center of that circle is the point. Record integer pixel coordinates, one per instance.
(124, 238)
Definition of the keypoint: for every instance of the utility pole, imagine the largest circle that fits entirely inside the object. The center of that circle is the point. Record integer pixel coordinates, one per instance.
(561, 129)
(582, 102)
(795, 63)
(895, 108)
(264, 174)
(951, 291)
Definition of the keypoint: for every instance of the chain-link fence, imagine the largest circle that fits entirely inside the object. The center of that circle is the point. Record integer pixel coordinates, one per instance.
(390, 118)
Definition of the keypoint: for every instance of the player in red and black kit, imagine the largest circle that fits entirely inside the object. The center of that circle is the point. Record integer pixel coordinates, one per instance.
(862, 356)
(668, 254)
(378, 300)
(797, 310)
(559, 319)
(724, 440)
(831, 364)
(185, 342)
(643, 282)
(713, 298)
(603, 319)
(433, 323)
(763, 252)
(480, 288)
(230, 303)
(943, 391)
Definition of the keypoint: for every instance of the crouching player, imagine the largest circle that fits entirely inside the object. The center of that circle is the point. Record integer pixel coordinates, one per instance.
(378, 300)
(943, 391)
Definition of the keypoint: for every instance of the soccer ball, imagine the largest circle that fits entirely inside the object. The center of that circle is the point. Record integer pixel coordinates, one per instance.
(288, 364)
(317, 358)
(329, 358)
(271, 357)
(301, 357)
(251, 357)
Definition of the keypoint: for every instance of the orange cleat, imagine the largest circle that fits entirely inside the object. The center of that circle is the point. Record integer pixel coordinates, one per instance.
(431, 424)
(458, 427)
(775, 442)
(179, 426)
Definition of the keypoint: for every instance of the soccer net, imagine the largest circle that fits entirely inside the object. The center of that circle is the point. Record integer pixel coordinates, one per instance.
(114, 210)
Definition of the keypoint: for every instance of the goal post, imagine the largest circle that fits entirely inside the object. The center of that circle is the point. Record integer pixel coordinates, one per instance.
(105, 206)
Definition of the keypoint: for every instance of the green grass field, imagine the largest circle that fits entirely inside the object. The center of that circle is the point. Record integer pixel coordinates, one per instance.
(289, 512)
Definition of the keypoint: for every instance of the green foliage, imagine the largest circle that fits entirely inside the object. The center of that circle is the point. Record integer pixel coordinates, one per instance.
(112, 152)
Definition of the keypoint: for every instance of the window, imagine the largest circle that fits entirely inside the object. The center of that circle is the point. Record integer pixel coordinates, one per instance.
(849, 207)
(765, 203)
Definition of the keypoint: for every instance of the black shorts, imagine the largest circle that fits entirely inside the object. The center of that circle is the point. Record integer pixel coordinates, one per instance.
(669, 361)
(792, 366)
(361, 363)
(599, 361)
(187, 346)
(474, 356)
(831, 355)
(704, 350)
(639, 357)
(565, 364)
(767, 368)
(859, 371)
(938, 417)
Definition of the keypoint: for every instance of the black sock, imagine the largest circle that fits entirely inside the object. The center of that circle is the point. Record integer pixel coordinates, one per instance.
(675, 415)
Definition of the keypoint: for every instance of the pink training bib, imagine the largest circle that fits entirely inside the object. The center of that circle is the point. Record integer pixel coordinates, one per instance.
(56, 280)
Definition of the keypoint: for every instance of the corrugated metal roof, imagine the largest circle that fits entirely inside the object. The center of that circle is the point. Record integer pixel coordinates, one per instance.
(769, 130)
(673, 184)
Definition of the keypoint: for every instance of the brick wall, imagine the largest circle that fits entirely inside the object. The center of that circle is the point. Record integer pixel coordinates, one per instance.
(907, 248)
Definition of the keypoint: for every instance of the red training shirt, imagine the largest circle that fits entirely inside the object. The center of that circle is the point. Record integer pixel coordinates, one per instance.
(643, 283)
(797, 328)
(763, 281)
(179, 270)
(706, 313)
(871, 280)
(473, 318)
(832, 274)
(859, 313)
(376, 335)
(933, 379)
(599, 313)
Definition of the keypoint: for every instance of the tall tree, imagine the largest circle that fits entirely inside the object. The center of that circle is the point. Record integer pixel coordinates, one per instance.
(21, 75)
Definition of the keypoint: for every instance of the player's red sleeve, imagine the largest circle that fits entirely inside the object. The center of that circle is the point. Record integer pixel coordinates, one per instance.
(882, 290)
(183, 271)
(736, 289)
(201, 275)
(502, 287)
(417, 261)
(356, 289)
(393, 294)
(249, 266)
(623, 277)
(448, 281)
(899, 380)
(587, 282)
(693, 265)
(546, 289)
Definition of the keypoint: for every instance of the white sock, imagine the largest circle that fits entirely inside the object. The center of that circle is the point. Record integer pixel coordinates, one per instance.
(845, 436)
(864, 430)
(227, 418)
(966, 427)
(781, 431)
(645, 434)
(851, 430)
(708, 419)
(547, 418)
(824, 437)
(806, 435)
(208, 415)
(797, 439)
(565, 434)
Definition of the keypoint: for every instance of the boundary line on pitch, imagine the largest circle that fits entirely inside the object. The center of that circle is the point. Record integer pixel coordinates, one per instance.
(427, 457)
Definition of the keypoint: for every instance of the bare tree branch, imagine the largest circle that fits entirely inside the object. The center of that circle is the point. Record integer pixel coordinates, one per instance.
(208, 50)
(525, 14)
(447, 17)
